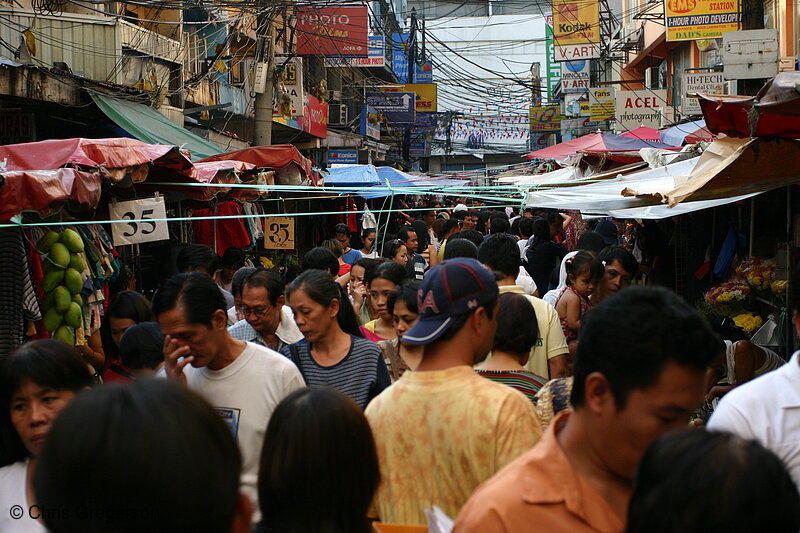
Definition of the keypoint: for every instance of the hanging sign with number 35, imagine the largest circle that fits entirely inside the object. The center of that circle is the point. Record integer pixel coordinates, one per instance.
(279, 233)
(140, 221)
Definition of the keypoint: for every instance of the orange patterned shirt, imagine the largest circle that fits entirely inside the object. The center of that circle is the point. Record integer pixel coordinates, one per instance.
(439, 435)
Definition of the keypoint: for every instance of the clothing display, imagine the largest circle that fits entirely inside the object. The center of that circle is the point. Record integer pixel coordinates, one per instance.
(221, 234)
(527, 383)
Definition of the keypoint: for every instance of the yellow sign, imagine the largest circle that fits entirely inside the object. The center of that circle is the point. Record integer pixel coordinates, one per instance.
(279, 233)
(576, 22)
(546, 118)
(585, 109)
(601, 104)
(426, 94)
(689, 20)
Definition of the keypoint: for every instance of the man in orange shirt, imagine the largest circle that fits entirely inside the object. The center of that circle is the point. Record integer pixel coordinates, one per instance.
(638, 374)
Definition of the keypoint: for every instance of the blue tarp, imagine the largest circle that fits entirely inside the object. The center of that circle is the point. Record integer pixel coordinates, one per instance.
(355, 175)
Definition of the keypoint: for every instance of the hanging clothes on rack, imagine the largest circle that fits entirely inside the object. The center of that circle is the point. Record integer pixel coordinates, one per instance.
(13, 270)
(221, 234)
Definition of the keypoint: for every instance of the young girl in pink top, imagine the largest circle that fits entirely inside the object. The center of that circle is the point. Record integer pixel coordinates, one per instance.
(584, 272)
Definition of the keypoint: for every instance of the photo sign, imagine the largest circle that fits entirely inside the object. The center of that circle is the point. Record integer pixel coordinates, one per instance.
(144, 221)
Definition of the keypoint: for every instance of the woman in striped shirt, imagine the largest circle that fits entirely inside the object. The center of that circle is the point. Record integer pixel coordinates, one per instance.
(328, 355)
(517, 331)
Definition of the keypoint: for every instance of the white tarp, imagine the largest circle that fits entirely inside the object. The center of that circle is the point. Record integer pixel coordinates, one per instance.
(605, 198)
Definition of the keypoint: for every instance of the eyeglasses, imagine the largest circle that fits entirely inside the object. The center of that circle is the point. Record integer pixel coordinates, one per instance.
(259, 312)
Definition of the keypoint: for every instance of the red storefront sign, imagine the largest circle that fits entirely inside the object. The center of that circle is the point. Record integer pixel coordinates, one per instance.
(332, 31)
(315, 117)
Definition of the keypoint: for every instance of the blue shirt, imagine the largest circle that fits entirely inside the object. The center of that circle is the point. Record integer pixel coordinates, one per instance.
(351, 256)
(361, 375)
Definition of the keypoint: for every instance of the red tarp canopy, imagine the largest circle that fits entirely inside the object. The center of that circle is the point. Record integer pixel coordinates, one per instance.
(644, 133)
(595, 143)
(277, 156)
(45, 191)
(774, 111)
(120, 152)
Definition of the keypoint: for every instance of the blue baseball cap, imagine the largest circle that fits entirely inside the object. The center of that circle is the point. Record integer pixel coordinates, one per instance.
(450, 289)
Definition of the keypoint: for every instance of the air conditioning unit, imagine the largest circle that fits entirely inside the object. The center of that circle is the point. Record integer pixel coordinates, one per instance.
(334, 96)
(631, 29)
(338, 115)
(667, 116)
(651, 78)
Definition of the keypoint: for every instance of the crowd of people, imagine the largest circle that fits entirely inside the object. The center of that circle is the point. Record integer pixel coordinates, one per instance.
(466, 360)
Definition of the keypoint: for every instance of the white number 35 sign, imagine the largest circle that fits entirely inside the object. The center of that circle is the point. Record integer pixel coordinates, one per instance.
(139, 221)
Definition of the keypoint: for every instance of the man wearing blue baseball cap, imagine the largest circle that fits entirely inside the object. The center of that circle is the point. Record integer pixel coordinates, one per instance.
(442, 430)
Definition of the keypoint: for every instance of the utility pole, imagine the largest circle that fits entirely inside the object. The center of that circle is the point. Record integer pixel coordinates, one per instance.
(262, 131)
(412, 68)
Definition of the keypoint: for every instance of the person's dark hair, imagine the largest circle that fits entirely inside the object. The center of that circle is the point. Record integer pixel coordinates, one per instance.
(267, 279)
(238, 279)
(499, 224)
(139, 447)
(341, 229)
(390, 271)
(438, 228)
(322, 289)
(459, 247)
(631, 336)
(125, 305)
(472, 235)
(406, 293)
(334, 246)
(714, 483)
(727, 329)
(500, 253)
(552, 216)
(366, 232)
(403, 232)
(297, 476)
(591, 241)
(198, 294)
(515, 227)
(541, 231)
(390, 248)
(459, 215)
(197, 256)
(526, 227)
(321, 258)
(423, 237)
(449, 225)
(517, 328)
(623, 256)
(365, 263)
(47, 363)
(372, 265)
(585, 263)
(232, 258)
(142, 346)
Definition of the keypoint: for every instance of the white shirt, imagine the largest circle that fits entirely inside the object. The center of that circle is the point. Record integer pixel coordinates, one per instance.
(13, 501)
(766, 409)
(525, 281)
(245, 393)
(287, 330)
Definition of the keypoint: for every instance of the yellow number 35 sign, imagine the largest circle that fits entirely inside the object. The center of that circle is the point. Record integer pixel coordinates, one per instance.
(279, 233)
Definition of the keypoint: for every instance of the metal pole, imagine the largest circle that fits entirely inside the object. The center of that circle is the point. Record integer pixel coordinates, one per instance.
(262, 129)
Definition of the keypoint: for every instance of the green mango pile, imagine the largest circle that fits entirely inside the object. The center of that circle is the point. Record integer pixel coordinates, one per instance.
(62, 283)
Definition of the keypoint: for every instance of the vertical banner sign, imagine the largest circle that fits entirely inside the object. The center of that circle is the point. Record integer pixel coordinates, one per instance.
(332, 31)
(279, 233)
(145, 221)
(291, 90)
(575, 76)
(640, 108)
(601, 104)
(553, 67)
(315, 117)
(370, 122)
(576, 29)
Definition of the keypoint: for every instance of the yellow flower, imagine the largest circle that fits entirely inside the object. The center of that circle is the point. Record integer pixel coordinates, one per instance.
(266, 262)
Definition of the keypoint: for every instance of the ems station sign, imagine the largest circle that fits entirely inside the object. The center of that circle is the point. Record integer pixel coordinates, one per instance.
(639, 108)
(689, 20)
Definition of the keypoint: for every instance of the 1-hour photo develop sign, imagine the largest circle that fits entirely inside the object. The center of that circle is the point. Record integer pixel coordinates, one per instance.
(689, 20)
(639, 108)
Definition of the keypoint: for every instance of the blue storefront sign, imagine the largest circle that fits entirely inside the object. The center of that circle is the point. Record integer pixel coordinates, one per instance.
(342, 157)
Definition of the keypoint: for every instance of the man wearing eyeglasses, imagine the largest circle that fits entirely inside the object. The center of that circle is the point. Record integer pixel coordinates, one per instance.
(267, 321)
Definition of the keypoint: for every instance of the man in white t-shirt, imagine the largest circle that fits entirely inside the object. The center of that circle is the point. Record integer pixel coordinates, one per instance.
(767, 409)
(243, 381)
(549, 355)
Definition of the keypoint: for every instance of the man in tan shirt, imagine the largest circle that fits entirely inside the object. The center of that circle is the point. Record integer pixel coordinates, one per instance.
(638, 374)
(442, 430)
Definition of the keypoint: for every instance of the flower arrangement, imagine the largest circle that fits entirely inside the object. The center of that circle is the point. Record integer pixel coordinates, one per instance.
(749, 322)
(757, 272)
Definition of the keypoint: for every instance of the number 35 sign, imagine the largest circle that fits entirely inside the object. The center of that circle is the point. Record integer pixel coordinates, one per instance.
(279, 233)
(141, 221)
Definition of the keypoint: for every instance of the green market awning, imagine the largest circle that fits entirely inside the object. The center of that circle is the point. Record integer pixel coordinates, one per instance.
(150, 126)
